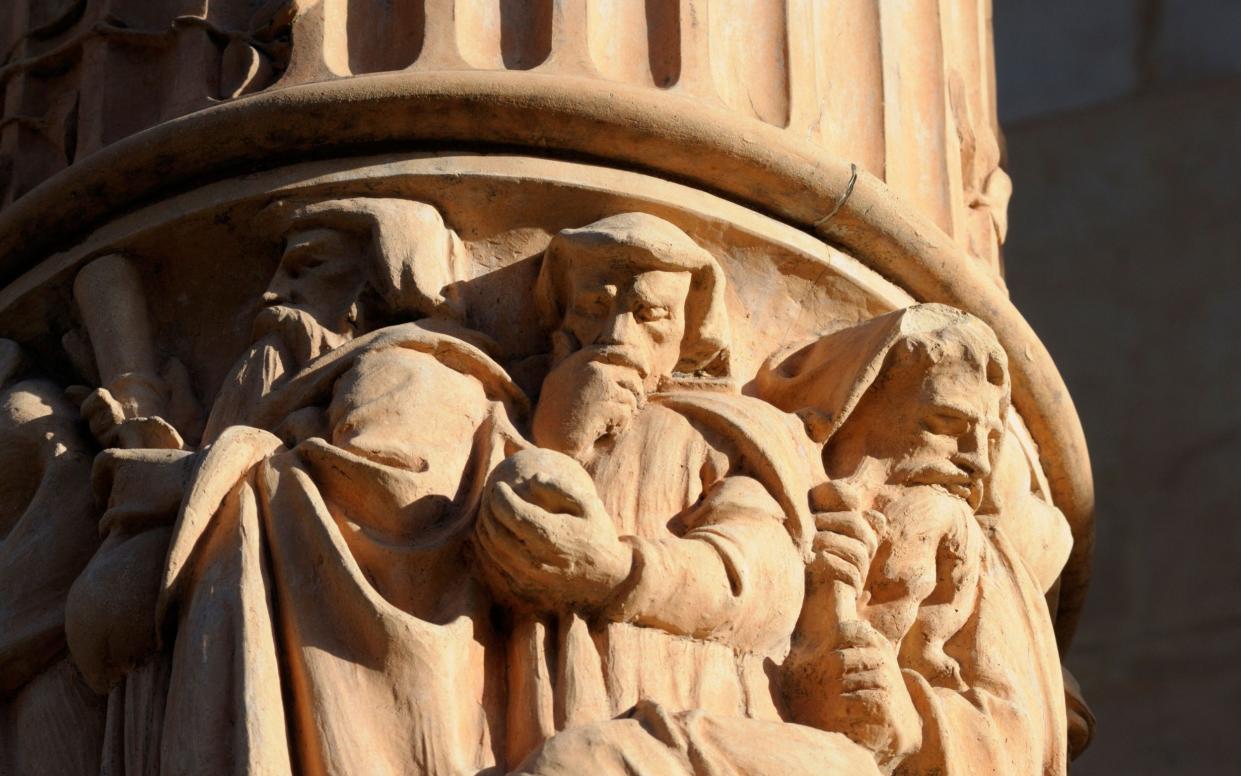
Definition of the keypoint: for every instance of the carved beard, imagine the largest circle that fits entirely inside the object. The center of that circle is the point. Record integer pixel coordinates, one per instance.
(303, 336)
(877, 482)
(585, 405)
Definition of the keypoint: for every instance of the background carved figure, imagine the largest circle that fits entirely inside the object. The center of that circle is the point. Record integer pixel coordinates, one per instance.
(49, 719)
(910, 409)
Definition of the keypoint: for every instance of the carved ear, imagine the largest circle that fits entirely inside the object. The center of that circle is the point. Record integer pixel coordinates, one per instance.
(818, 424)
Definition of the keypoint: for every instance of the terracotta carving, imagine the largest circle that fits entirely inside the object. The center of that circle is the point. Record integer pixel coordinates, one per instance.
(552, 388)
(678, 592)
(659, 569)
(914, 594)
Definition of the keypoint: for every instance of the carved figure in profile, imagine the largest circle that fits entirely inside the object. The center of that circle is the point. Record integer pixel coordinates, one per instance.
(925, 637)
(313, 592)
(347, 266)
(50, 721)
(655, 536)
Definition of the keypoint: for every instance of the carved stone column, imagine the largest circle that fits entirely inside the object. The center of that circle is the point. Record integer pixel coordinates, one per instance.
(565, 386)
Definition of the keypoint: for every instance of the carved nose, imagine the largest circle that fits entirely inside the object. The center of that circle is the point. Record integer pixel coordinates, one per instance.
(618, 330)
(974, 464)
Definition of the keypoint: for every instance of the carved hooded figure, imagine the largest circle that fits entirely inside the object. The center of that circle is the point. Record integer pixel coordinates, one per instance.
(910, 408)
(385, 435)
(317, 595)
(348, 266)
(652, 548)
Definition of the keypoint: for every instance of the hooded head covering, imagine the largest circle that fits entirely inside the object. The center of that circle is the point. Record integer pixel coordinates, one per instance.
(415, 260)
(649, 243)
(823, 381)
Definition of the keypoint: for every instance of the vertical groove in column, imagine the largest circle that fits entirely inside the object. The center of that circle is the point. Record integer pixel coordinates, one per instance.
(804, 111)
(440, 34)
(193, 82)
(986, 32)
(693, 23)
(616, 33)
(93, 60)
(16, 16)
(635, 41)
(570, 46)
(957, 85)
(663, 36)
(321, 47)
(525, 33)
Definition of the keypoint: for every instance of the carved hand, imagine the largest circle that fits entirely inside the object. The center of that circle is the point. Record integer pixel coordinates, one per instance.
(842, 552)
(545, 537)
(845, 545)
(866, 698)
(112, 429)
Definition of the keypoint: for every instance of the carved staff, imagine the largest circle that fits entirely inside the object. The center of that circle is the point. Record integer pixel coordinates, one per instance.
(128, 409)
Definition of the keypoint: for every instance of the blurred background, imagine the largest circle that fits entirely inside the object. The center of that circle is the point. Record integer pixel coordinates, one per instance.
(1123, 119)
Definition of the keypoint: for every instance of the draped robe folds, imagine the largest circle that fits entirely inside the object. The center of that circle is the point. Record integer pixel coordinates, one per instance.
(999, 711)
(1003, 713)
(1007, 716)
(138, 700)
(710, 491)
(50, 721)
(325, 616)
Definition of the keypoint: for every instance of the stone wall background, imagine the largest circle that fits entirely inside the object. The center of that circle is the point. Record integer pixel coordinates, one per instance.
(1123, 119)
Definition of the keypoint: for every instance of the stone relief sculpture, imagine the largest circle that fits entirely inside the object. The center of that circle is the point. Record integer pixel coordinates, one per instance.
(373, 554)
(677, 592)
(204, 516)
(552, 387)
(911, 600)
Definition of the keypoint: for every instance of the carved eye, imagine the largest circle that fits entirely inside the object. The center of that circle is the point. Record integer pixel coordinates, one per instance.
(649, 313)
(946, 424)
(301, 259)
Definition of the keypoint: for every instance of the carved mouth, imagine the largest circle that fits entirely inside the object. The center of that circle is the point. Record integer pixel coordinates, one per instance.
(616, 357)
(955, 481)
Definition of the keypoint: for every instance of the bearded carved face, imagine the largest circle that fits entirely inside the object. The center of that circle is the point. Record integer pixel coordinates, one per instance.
(626, 318)
(932, 420)
(310, 301)
(625, 328)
